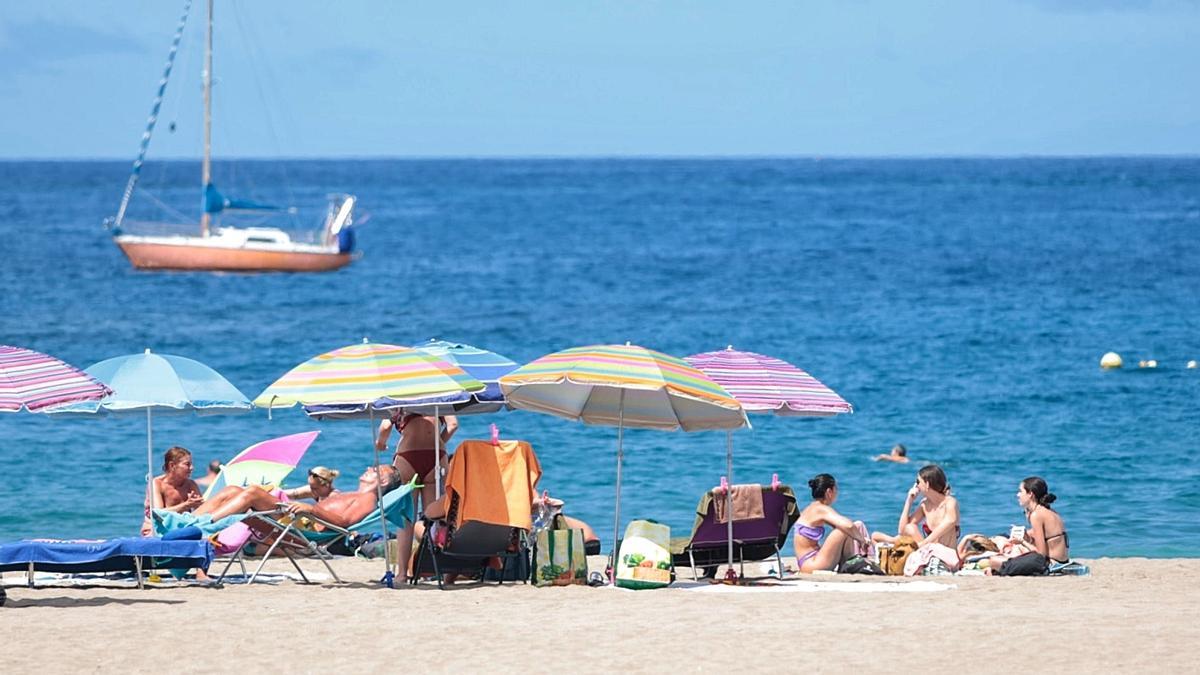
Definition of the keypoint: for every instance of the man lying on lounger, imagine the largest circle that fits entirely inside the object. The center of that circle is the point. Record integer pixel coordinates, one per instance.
(342, 509)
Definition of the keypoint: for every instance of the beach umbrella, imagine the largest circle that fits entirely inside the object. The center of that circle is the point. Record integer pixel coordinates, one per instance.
(360, 374)
(162, 384)
(483, 365)
(764, 385)
(264, 463)
(33, 381)
(622, 386)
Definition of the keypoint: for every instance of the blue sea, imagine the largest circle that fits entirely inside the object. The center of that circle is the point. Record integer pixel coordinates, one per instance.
(961, 305)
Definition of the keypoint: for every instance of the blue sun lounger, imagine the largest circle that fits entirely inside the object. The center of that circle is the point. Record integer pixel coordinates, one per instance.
(131, 554)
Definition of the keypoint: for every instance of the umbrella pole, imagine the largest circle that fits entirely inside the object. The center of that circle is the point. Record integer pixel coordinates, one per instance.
(388, 576)
(437, 454)
(150, 465)
(612, 563)
(729, 495)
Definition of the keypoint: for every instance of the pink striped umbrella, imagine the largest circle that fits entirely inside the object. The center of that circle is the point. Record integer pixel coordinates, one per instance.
(764, 384)
(33, 381)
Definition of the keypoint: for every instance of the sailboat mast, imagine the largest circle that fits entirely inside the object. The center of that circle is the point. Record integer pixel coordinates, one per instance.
(206, 165)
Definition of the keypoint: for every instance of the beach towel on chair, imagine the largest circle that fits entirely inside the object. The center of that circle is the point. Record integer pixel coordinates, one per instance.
(500, 485)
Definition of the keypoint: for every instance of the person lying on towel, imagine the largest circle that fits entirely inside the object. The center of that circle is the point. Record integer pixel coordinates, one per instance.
(342, 509)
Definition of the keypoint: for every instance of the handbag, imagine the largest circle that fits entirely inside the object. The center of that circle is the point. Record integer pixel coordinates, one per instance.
(559, 558)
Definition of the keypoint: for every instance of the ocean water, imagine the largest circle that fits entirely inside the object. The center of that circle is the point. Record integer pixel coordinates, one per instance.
(962, 306)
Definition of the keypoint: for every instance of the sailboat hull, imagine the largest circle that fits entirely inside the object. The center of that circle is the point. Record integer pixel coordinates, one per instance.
(197, 254)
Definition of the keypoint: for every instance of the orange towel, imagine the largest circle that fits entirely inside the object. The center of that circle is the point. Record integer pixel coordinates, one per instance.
(494, 484)
(747, 503)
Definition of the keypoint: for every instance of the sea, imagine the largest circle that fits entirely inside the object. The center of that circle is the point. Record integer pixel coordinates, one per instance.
(961, 305)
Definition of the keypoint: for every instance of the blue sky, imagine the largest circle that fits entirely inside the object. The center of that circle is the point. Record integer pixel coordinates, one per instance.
(309, 78)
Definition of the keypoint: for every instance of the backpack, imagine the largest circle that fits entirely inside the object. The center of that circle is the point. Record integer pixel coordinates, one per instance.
(860, 565)
(891, 560)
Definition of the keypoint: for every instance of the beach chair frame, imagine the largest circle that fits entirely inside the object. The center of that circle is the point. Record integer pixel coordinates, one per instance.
(753, 540)
(289, 539)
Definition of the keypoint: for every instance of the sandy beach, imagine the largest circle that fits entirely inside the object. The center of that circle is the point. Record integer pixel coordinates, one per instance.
(1130, 613)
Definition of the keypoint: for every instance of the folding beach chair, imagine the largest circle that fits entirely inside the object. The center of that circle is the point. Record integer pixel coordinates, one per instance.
(489, 492)
(753, 539)
(297, 535)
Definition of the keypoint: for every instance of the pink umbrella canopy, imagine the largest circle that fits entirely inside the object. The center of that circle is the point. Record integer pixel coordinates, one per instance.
(764, 384)
(33, 381)
(266, 462)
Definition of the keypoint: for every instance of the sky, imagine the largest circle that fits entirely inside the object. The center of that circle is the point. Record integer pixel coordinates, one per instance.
(562, 78)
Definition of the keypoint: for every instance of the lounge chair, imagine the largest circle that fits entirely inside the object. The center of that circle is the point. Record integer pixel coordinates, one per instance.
(81, 556)
(489, 492)
(296, 536)
(753, 540)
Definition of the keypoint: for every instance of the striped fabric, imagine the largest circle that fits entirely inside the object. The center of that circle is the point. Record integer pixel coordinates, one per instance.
(33, 381)
(768, 385)
(363, 373)
(626, 384)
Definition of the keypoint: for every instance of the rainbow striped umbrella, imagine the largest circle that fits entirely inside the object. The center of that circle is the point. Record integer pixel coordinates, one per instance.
(34, 381)
(364, 373)
(622, 386)
(764, 384)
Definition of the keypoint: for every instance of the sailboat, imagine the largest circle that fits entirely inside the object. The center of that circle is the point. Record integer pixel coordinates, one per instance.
(214, 245)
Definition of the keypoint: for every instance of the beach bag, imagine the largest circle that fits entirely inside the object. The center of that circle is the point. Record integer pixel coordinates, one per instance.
(559, 558)
(645, 559)
(891, 560)
(860, 565)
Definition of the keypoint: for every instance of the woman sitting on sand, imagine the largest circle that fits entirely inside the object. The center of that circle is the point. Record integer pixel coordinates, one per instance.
(1046, 536)
(845, 541)
(174, 490)
(934, 519)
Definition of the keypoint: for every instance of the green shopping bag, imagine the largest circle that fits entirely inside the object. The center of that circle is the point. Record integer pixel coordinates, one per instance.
(559, 558)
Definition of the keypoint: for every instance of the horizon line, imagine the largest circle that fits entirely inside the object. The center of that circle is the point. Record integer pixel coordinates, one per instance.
(621, 157)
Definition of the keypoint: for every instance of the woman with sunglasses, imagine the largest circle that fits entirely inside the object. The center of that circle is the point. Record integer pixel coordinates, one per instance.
(319, 487)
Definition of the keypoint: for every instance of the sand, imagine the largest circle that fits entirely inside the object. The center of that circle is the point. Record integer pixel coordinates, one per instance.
(1130, 613)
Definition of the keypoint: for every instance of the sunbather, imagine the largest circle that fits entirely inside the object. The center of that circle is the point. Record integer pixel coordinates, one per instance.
(342, 509)
(847, 539)
(415, 449)
(935, 518)
(1044, 542)
(174, 490)
(319, 486)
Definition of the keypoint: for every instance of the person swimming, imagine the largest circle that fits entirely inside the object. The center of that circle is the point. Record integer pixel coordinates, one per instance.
(899, 455)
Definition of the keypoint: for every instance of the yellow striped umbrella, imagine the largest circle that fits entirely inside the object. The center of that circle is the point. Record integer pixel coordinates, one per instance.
(622, 386)
(363, 374)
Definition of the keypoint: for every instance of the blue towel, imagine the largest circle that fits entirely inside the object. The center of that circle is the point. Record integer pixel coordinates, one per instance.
(168, 521)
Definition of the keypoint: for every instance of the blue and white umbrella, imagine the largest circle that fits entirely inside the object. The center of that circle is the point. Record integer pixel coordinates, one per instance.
(163, 384)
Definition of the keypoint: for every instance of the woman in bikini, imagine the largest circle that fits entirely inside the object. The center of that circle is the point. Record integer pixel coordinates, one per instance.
(848, 538)
(319, 487)
(934, 519)
(1046, 536)
(414, 452)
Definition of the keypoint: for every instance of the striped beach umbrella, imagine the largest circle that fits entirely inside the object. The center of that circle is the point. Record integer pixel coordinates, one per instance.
(34, 381)
(361, 375)
(765, 385)
(622, 386)
(481, 364)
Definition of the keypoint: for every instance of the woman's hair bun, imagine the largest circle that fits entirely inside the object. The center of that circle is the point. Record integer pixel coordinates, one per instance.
(812, 483)
(1048, 499)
